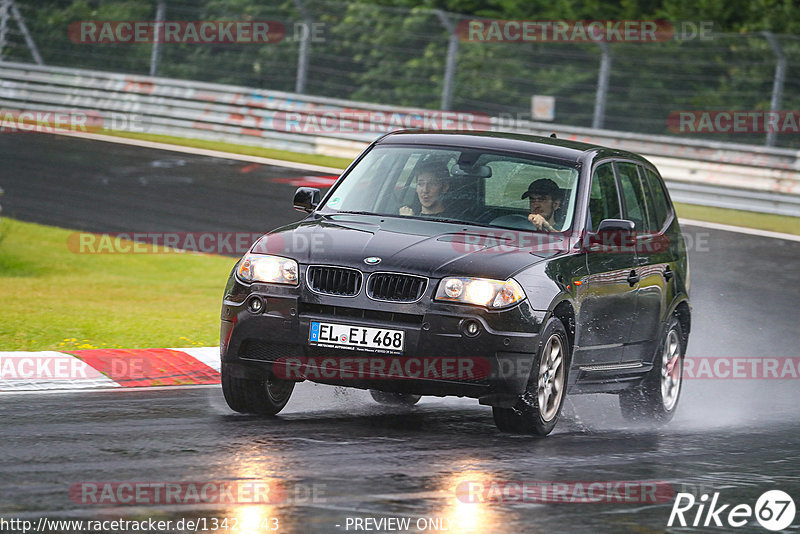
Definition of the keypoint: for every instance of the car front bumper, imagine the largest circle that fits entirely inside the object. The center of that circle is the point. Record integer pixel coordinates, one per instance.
(438, 357)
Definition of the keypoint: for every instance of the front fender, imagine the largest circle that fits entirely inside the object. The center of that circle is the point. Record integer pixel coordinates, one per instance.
(548, 283)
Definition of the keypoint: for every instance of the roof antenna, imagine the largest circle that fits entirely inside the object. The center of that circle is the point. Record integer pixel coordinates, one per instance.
(553, 135)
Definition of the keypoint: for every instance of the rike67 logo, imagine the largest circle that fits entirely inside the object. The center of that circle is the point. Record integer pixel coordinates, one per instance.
(774, 510)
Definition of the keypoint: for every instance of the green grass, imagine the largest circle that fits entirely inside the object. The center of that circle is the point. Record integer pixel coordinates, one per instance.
(746, 219)
(55, 299)
(285, 155)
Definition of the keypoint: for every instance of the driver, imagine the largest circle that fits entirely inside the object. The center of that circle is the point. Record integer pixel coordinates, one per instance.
(432, 184)
(545, 199)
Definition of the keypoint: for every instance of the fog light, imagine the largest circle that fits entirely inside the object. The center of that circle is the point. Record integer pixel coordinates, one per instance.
(471, 328)
(255, 305)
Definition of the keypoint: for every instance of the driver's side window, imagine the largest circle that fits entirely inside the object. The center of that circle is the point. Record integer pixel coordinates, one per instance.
(603, 198)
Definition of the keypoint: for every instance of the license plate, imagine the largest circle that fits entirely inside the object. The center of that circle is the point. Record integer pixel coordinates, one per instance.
(356, 337)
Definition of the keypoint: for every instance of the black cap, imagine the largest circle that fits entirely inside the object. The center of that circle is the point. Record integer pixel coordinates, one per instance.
(544, 186)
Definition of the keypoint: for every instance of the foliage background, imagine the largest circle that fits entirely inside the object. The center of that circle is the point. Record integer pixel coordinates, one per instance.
(394, 53)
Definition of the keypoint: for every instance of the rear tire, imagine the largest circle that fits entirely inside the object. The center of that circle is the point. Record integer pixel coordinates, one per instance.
(261, 397)
(656, 399)
(394, 399)
(536, 411)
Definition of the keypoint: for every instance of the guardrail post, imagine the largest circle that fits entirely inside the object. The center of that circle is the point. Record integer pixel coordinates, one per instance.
(777, 83)
(155, 53)
(8, 7)
(302, 55)
(602, 86)
(25, 33)
(4, 5)
(450, 65)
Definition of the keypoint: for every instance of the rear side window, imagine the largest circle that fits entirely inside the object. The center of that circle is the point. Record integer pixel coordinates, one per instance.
(662, 208)
(631, 190)
(603, 199)
(652, 218)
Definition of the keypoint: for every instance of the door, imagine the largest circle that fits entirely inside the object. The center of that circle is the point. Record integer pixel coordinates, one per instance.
(639, 206)
(653, 260)
(607, 300)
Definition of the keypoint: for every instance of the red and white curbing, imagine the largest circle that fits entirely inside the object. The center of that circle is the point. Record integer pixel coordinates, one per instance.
(138, 368)
(108, 368)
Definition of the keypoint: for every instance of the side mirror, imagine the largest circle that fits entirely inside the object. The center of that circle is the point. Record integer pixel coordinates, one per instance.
(616, 225)
(611, 233)
(306, 199)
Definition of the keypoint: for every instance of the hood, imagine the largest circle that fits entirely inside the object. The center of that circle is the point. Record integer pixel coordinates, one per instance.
(429, 248)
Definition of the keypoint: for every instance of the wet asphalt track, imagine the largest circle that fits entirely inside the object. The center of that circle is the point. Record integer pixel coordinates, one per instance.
(736, 437)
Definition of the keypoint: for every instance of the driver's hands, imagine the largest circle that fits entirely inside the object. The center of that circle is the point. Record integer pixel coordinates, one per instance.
(405, 210)
(539, 222)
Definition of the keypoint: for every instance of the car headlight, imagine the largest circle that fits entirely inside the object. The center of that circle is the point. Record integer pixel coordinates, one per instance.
(480, 291)
(267, 268)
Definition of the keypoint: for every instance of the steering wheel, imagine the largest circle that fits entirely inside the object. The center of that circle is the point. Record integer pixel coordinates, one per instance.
(515, 221)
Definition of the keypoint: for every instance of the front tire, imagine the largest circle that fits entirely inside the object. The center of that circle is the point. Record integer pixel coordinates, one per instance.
(394, 399)
(260, 397)
(656, 400)
(536, 411)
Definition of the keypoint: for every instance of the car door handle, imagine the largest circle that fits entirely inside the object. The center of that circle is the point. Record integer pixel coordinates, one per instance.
(668, 274)
(633, 278)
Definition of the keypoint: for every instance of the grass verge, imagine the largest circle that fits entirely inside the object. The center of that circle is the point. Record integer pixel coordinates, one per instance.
(745, 219)
(54, 299)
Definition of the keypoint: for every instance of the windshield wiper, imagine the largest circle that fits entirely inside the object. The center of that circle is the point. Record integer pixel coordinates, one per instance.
(353, 213)
(457, 221)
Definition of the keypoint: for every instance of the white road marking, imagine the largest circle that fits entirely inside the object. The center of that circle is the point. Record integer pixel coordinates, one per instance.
(740, 230)
(207, 355)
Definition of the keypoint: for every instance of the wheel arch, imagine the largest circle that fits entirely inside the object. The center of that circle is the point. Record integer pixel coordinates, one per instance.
(565, 312)
(683, 313)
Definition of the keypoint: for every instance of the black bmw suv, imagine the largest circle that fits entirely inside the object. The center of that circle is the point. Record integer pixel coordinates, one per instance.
(509, 268)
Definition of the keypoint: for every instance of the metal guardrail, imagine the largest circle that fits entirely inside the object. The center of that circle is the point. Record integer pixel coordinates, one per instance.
(729, 175)
(705, 195)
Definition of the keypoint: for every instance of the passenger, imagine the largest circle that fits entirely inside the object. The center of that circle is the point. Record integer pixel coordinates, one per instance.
(545, 199)
(432, 184)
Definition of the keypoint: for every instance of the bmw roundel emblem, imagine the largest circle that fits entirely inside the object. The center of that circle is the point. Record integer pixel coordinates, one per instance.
(372, 260)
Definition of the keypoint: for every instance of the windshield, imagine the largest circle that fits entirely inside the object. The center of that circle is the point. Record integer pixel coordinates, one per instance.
(466, 185)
